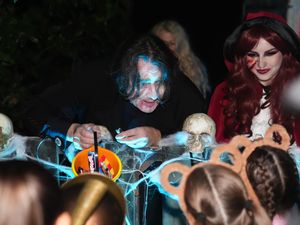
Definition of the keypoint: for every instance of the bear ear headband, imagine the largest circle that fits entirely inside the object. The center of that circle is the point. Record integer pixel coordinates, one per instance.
(238, 165)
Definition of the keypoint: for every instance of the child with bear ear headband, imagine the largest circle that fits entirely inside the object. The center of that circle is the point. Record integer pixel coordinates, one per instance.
(216, 192)
(274, 177)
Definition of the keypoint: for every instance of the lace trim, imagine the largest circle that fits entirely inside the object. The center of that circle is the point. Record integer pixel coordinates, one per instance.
(262, 121)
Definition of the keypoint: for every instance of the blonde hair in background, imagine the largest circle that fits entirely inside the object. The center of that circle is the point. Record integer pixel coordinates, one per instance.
(189, 63)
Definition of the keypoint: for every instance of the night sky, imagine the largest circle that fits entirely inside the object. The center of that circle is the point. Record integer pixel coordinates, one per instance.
(207, 33)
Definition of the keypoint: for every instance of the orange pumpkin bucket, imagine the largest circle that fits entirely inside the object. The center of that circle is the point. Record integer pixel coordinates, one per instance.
(111, 160)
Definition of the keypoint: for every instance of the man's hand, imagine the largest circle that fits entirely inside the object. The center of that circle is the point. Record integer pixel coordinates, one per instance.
(83, 134)
(139, 137)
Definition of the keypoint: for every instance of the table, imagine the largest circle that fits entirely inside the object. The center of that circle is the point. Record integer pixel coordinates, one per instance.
(139, 177)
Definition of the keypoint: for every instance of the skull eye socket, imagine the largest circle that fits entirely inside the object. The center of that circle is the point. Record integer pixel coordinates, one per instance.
(191, 136)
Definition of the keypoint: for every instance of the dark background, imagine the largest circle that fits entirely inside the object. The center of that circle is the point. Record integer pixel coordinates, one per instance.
(41, 40)
(207, 23)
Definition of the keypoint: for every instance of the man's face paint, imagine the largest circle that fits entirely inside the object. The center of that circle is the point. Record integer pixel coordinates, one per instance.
(150, 91)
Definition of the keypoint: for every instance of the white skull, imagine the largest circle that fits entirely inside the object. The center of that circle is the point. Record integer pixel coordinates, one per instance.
(202, 130)
(6, 130)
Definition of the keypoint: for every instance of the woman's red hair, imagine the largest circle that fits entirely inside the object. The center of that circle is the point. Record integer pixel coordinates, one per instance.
(243, 93)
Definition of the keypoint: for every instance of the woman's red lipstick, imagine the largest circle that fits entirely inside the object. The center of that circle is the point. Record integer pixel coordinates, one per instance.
(263, 71)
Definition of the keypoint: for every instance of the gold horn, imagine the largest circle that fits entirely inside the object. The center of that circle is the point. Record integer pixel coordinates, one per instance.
(89, 197)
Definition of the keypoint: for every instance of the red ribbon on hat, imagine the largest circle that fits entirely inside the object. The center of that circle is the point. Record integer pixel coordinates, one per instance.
(254, 15)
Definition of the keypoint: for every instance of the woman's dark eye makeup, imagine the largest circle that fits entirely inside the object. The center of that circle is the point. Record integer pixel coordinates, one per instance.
(267, 53)
(271, 52)
(252, 54)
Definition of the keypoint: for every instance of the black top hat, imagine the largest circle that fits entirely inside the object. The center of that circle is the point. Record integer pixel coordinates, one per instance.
(268, 19)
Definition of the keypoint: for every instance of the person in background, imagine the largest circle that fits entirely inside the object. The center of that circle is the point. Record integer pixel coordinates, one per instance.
(94, 199)
(144, 98)
(214, 194)
(263, 56)
(176, 38)
(29, 195)
(274, 177)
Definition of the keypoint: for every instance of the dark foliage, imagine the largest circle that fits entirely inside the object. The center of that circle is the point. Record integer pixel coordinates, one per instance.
(41, 39)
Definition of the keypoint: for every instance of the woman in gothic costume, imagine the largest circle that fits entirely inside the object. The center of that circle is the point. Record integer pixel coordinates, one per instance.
(262, 56)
